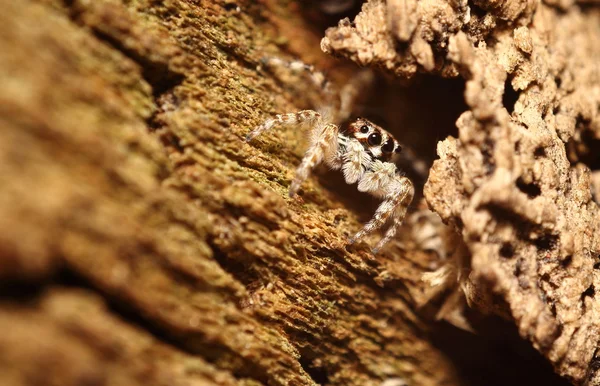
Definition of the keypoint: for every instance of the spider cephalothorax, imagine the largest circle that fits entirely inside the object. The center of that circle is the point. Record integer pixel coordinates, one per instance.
(375, 140)
(363, 152)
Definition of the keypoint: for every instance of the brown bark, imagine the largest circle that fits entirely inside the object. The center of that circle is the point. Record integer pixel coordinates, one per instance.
(519, 181)
(143, 242)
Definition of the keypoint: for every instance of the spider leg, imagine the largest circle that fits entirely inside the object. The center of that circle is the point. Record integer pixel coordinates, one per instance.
(397, 192)
(399, 213)
(324, 145)
(323, 141)
(297, 66)
(413, 161)
(342, 105)
(304, 116)
(355, 162)
(352, 92)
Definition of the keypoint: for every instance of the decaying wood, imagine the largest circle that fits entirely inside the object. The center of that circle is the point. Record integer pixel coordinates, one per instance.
(520, 182)
(142, 241)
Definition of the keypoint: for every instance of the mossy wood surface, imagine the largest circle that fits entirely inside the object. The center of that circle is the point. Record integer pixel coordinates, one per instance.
(144, 242)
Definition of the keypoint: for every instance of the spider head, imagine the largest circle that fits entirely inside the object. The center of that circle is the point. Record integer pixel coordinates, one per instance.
(378, 142)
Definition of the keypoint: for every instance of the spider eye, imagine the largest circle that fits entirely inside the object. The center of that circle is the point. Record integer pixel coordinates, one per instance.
(398, 149)
(388, 146)
(364, 129)
(374, 139)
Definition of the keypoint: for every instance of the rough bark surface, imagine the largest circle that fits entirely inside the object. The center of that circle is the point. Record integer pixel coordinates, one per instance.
(143, 242)
(520, 181)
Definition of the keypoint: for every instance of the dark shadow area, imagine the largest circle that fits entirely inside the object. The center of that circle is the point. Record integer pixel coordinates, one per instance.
(495, 356)
(532, 190)
(317, 374)
(418, 115)
(584, 147)
(362, 204)
(242, 271)
(510, 97)
(422, 113)
(21, 292)
(327, 13)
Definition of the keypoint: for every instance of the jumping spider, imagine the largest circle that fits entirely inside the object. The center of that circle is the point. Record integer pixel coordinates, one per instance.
(362, 150)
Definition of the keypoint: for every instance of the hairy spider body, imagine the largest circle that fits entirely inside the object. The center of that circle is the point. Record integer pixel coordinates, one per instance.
(363, 151)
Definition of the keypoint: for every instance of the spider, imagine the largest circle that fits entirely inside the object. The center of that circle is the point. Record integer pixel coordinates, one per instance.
(363, 151)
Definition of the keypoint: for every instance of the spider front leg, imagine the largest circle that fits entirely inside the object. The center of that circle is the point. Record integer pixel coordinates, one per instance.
(398, 194)
(291, 119)
(323, 146)
(323, 141)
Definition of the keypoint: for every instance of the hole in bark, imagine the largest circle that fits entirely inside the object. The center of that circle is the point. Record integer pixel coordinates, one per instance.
(595, 364)
(584, 148)
(488, 156)
(526, 230)
(546, 242)
(530, 189)
(539, 152)
(477, 11)
(160, 78)
(507, 250)
(422, 113)
(567, 261)
(317, 373)
(231, 6)
(510, 96)
(590, 292)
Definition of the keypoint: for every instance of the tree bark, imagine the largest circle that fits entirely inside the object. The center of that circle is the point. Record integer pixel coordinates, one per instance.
(519, 180)
(142, 241)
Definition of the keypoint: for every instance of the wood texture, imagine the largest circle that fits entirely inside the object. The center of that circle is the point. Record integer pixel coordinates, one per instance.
(143, 242)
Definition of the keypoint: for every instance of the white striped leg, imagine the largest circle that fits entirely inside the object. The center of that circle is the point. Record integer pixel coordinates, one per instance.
(397, 219)
(324, 145)
(297, 66)
(304, 116)
(395, 205)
